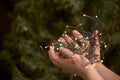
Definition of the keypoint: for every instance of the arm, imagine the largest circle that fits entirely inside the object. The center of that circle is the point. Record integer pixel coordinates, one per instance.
(93, 75)
(106, 73)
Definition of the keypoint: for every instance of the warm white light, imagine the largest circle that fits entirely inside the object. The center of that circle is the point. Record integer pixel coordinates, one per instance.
(84, 14)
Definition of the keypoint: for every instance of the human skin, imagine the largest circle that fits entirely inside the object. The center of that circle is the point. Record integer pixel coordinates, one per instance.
(106, 73)
(76, 63)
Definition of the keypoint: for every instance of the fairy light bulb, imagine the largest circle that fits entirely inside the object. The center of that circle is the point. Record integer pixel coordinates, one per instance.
(76, 39)
(57, 49)
(86, 37)
(53, 44)
(65, 32)
(87, 53)
(84, 14)
(105, 46)
(61, 45)
(101, 61)
(59, 40)
(46, 46)
(100, 34)
(96, 16)
(83, 44)
(67, 26)
(76, 46)
(80, 24)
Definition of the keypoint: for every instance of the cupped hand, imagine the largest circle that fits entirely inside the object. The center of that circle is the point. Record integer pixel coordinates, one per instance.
(95, 49)
(74, 63)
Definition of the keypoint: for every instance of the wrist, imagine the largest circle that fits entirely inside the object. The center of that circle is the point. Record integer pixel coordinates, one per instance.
(92, 74)
(98, 65)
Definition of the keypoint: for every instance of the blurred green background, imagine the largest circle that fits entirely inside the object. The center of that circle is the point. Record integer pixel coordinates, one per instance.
(27, 24)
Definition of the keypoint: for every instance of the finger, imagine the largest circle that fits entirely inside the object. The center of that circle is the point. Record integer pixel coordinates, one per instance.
(85, 43)
(66, 52)
(80, 61)
(96, 58)
(68, 39)
(95, 33)
(76, 58)
(52, 54)
(77, 34)
(62, 40)
(84, 54)
(97, 48)
(63, 63)
(97, 45)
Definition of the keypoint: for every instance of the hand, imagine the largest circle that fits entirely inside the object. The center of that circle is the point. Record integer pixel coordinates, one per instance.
(80, 63)
(94, 55)
(90, 48)
(74, 63)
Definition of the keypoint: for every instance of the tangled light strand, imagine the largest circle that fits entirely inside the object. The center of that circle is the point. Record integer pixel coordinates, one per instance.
(88, 45)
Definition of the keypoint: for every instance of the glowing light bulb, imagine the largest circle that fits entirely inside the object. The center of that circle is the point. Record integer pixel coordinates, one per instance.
(46, 46)
(61, 45)
(101, 61)
(83, 44)
(67, 26)
(59, 40)
(100, 34)
(76, 46)
(75, 74)
(105, 46)
(75, 38)
(57, 49)
(86, 37)
(84, 14)
(87, 53)
(65, 32)
(96, 16)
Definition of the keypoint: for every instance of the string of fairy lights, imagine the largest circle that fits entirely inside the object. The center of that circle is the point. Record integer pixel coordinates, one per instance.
(86, 45)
